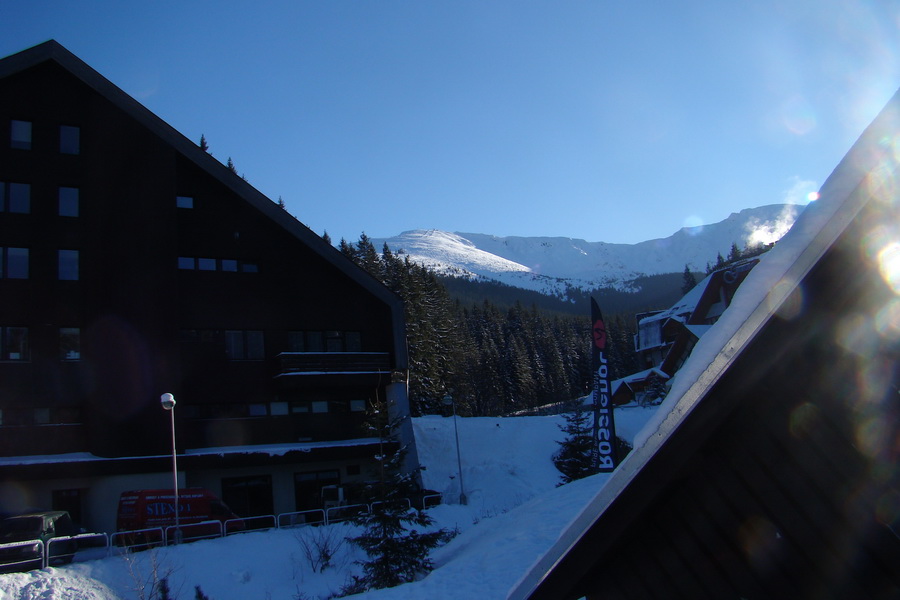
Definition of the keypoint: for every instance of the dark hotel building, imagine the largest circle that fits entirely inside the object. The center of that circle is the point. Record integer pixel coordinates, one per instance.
(133, 263)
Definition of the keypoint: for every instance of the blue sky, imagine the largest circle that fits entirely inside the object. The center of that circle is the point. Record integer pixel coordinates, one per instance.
(606, 121)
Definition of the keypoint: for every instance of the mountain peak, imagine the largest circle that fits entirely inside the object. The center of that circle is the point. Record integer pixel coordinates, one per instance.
(549, 264)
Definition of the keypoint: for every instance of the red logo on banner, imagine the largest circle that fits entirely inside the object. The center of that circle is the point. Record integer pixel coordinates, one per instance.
(599, 334)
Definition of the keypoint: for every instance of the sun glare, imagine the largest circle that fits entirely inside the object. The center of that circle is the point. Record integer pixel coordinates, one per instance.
(889, 265)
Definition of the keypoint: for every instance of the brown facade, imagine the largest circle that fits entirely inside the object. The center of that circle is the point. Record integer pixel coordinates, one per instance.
(149, 267)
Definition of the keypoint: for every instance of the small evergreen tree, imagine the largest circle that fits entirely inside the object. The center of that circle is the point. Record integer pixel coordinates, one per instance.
(734, 254)
(396, 548)
(326, 237)
(688, 281)
(656, 390)
(203, 145)
(230, 165)
(573, 459)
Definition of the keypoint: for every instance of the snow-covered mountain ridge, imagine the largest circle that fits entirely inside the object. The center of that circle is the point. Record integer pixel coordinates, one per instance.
(551, 264)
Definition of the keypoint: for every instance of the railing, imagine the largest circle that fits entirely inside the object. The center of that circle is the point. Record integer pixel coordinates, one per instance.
(81, 547)
(301, 518)
(337, 514)
(334, 362)
(194, 531)
(90, 546)
(245, 524)
(33, 551)
(431, 500)
(141, 539)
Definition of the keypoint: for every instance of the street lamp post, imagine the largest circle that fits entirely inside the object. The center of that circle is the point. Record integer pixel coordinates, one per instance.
(448, 401)
(168, 403)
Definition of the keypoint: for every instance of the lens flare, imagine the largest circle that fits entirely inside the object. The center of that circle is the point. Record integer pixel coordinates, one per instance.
(693, 224)
(889, 265)
(798, 116)
(887, 321)
(812, 196)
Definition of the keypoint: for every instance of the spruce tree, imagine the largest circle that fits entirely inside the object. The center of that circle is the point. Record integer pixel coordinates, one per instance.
(688, 281)
(393, 540)
(573, 459)
(203, 145)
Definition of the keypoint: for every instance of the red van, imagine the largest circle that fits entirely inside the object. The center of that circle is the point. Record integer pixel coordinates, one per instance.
(146, 509)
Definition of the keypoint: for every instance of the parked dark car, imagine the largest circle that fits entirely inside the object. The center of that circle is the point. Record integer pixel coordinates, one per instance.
(42, 526)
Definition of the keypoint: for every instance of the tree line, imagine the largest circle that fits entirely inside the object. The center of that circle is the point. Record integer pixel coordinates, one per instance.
(492, 360)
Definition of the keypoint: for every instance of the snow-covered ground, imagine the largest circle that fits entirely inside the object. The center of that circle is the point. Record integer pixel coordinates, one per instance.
(515, 513)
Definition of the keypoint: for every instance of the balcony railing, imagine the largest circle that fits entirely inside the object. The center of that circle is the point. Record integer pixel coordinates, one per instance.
(328, 363)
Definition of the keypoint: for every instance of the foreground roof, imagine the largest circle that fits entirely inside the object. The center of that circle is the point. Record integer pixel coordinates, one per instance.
(826, 292)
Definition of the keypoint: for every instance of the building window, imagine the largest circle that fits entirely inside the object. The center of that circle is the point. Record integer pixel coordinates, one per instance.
(244, 345)
(320, 406)
(334, 341)
(42, 416)
(13, 343)
(69, 343)
(226, 265)
(257, 410)
(14, 263)
(184, 202)
(68, 202)
(20, 135)
(15, 197)
(295, 341)
(246, 496)
(314, 341)
(357, 406)
(278, 408)
(68, 265)
(249, 267)
(69, 139)
(352, 341)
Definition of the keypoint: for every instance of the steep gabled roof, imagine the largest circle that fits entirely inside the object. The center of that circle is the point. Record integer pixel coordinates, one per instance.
(52, 51)
(865, 178)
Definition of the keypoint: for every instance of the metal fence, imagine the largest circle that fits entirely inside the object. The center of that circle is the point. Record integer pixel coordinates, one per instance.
(36, 554)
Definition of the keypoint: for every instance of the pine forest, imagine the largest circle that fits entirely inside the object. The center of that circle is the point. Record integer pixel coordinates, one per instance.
(493, 360)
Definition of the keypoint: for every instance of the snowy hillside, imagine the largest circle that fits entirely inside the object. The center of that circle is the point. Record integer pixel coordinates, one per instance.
(515, 513)
(549, 264)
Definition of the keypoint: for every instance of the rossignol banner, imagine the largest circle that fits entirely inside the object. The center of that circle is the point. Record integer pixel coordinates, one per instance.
(604, 432)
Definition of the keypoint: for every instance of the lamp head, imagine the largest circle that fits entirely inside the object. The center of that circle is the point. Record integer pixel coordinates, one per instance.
(448, 400)
(167, 400)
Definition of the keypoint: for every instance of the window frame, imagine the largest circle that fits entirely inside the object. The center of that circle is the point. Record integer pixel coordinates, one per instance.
(7, 335)
(69, 198)
(21, 143)
(68, 264)
(70, 140)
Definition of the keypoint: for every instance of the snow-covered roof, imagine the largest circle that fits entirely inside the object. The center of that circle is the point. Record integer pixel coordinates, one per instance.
(635, 377)
(268, 449)
(762, 293)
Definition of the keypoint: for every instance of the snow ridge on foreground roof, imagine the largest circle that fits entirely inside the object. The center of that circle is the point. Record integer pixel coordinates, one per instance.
(759, 296)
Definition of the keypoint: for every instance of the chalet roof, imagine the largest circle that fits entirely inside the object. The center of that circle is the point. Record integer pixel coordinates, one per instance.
(863, 179)
(52, 51)
(628, 380)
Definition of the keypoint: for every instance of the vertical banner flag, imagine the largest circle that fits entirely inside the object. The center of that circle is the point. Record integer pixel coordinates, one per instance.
(604, 432)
